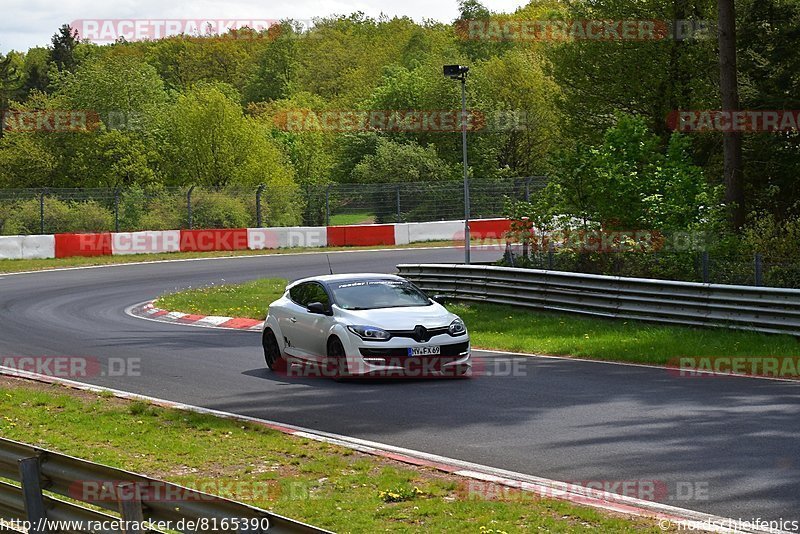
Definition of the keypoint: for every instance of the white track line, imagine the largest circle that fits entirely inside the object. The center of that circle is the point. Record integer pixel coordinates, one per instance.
(668, 516)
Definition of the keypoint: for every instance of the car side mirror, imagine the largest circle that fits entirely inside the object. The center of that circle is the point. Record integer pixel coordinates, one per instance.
(440, 299)
(320, 308)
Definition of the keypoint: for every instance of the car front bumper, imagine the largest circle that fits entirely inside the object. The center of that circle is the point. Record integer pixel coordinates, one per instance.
(391, 358)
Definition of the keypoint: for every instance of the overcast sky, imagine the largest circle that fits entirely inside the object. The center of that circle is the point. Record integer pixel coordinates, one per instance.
(28, 23)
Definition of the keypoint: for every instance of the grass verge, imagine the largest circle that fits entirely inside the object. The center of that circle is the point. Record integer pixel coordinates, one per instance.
(325, 485)
(347, 219)
(16, 266)
(513, 329)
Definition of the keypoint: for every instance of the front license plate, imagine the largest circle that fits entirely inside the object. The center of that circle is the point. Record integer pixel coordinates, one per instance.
(425, 351)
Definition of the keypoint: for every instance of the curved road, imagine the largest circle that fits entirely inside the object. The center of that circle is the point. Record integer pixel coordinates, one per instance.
(726, 446)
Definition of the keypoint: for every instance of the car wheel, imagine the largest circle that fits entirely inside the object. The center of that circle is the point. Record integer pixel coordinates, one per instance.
(337, 361)
(272, 352)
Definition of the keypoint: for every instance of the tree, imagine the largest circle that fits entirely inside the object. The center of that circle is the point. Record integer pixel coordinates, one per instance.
(629, 182)
(118, 87)
(732, 141)
(205, 139)
(10, 83)
(396, 162)
(36, 71)
(277, 67)
(63, 47)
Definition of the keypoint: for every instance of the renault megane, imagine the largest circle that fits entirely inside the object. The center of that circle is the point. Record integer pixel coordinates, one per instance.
(352, 325)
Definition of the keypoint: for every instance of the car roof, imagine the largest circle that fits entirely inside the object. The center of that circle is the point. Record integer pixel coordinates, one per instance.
(326, 278)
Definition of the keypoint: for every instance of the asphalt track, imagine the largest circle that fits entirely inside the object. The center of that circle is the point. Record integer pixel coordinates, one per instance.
(725, 446)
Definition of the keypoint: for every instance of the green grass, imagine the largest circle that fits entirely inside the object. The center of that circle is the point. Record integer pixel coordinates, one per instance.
(346, 219)
(231, 300)
(15, 266)
(322, 484)
(519, 330)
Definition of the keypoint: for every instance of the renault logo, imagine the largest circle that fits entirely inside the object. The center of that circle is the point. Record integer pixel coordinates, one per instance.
(421, 333)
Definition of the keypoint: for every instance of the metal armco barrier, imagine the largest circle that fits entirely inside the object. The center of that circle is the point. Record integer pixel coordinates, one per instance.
(39, 469)
(760, 309)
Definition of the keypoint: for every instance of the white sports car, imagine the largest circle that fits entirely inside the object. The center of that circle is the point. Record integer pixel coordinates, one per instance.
(361, 325)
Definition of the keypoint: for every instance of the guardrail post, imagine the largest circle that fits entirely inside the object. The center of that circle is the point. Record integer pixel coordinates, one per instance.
(130, 507)
(509, 255)
(189, 206)
(259, 192)
(30, 476)
(759, 266)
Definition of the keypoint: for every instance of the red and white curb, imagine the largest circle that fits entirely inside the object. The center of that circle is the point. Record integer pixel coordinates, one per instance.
(668, 517)
(148, 310)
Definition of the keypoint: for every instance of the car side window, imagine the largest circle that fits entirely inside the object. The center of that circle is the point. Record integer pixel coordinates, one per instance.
(308, 292)
(300, 294)
(317, 293)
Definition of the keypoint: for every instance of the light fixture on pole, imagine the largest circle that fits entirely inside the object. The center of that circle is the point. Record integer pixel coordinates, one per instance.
(459, 72)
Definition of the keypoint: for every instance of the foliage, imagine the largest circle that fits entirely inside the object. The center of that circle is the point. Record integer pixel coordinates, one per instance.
(777, 240)
(62, 51)
(630, 182)
(164, 212)
(59, 216)
(398, 162)
(89, 216)
(219, 210)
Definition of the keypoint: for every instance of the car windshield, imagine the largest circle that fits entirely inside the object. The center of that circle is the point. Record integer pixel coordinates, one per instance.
(372, 294)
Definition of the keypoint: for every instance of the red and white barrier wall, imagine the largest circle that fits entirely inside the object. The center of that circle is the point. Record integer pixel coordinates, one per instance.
(150, 242)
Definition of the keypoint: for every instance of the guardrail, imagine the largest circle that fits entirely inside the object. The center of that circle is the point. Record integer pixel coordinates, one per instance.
(134, 498)
(770, 310)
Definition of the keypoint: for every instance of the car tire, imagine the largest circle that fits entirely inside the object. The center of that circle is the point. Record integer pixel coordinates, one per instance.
(336, 363)
(272, 352)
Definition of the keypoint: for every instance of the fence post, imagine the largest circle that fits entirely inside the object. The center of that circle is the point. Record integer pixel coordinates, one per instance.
(398, 203)
(550, 257)
(41, 211)
(509, 255)
(32, 495)
(528, 189)
(328, 205)
(704, 262)
(759, 267)
(116, 209)
(189, 205)
(259, 191)
(130, 507)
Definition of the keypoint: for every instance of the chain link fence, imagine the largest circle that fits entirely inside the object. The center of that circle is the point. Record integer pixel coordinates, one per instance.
(53, 210)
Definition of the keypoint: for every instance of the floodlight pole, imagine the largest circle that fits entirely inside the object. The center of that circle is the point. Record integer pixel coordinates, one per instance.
(463, 79)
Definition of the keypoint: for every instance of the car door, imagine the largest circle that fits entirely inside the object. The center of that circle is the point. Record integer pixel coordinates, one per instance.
(292, 314)
(311, 329)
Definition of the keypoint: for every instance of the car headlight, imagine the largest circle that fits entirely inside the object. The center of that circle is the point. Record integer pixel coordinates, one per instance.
(457, 328)
(370, 333)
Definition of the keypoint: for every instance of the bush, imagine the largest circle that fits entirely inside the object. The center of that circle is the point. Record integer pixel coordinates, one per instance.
(59, 217)
(89, 216)
(219, 210)
(132, 207)
(7, 210)
(25, 218)
(164, 212)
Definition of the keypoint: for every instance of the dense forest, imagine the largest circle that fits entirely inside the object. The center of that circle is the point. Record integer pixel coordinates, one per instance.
(591, 114)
